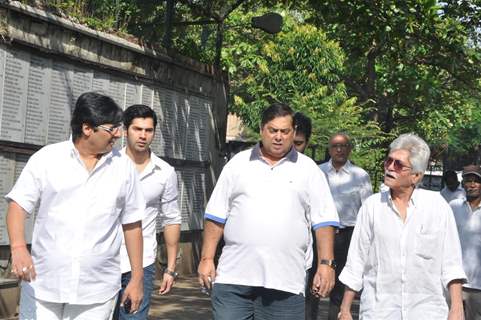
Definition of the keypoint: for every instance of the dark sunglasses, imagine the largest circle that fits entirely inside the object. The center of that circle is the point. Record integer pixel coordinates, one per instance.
(397, 165)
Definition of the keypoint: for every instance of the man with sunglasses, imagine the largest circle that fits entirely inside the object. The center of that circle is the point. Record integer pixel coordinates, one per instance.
(87, 197)
(467, 213)
(350, 186)
(405, 250)
(159, 185)
(265, 203)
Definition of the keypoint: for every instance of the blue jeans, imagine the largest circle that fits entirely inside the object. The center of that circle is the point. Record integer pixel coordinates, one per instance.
(230, 301)
(149, 274)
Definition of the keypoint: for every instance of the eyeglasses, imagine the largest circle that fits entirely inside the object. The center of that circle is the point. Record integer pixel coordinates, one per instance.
(112, 130)
(397, 164)
(339, 145)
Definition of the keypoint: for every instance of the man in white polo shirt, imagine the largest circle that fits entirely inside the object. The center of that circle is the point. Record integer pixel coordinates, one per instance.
(467, 213)
(265, 203)
(88, 198)
(159, 185)
(350, 186)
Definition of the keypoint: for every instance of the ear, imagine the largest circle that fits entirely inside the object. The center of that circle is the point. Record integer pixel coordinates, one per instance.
(87, 130)
(416, 178)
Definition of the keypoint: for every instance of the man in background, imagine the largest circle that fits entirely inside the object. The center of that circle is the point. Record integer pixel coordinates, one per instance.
(467, 213)
(158, 181)
(452, 188)
(350, 186)
(303, 127)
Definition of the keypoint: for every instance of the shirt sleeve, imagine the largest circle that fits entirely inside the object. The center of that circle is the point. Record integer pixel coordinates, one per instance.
(169, 207)
(452, 265)
(322, 210)
(134, 203)
(218, 206)
(28, 188)
(361, 241)
(366, 187)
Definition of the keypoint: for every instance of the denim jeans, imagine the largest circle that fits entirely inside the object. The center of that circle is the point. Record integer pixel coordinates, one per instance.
(149, 274)
(239, 302)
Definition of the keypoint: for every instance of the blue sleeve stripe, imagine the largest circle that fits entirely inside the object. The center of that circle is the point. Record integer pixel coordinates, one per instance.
(326, 224)
(214, 218)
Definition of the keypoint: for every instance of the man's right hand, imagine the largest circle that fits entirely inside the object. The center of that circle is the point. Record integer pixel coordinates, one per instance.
(206, 273)
(22, 264)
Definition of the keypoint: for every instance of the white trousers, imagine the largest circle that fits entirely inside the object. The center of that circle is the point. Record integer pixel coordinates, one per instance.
(35, 309)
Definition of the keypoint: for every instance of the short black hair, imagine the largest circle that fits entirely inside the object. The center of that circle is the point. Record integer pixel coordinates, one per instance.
(449, 173)
(138, 111)
(276, 110)
(303, 125)
(94, 109)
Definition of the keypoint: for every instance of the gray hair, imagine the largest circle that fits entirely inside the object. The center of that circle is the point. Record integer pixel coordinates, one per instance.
(418, 150)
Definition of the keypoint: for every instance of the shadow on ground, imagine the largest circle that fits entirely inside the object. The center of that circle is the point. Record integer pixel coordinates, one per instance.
(187, 302)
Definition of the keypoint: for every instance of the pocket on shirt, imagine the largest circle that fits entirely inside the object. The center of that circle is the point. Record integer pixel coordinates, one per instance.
(426, 245)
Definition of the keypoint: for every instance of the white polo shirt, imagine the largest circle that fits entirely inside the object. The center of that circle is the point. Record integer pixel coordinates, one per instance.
(469, 228)
(159, 187)
(350, 186)
(268, 212)
(403, 267)
(449, 195)
(78, 230)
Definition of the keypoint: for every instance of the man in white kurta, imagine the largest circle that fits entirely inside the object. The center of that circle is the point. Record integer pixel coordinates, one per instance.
(405, 248)
(88, 196)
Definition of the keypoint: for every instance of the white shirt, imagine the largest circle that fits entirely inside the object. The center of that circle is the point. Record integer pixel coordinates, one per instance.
(403, 267)
(159, 187)
(350, 186)
(469, 228)
(449, 195)
(268, 212)
(78, 229)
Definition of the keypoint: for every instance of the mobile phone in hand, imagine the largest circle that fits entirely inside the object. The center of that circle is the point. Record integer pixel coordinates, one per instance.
(127, 306)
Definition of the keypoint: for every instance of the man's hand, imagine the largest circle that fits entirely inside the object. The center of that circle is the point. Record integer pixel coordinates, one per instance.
(344, 315)
(456, 314)
(22, 264)
(167, 284)
(206, 273)
(134, 292)
(323, 281)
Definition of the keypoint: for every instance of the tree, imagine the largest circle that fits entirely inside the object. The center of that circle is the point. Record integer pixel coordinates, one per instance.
(409, 63)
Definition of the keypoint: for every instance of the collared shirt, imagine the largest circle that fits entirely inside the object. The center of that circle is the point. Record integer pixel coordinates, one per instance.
(449, 195)
(159, 186)
(268, 212)
(350, 186)
(78, 229)
(469, 228)
(403, 267)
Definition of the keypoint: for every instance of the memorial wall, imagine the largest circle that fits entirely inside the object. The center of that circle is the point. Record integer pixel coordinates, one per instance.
(39, 86)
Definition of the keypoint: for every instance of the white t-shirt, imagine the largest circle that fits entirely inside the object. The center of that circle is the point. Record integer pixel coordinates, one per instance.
(403, 267)
(469, 228)
(350, 186)
(268, 212)
(159, 187)
(78, 229)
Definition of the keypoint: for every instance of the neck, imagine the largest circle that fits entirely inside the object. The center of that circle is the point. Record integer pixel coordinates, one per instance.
(338, 165)
(272, 160)
(85, 151)
(139, 158)
(475, 202)
(402, 194)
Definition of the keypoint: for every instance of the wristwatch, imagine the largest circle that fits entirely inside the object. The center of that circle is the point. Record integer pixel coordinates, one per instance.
(173, 274)
(330, 263)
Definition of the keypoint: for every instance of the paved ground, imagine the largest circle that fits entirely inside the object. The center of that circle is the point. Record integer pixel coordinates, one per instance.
(187, 302)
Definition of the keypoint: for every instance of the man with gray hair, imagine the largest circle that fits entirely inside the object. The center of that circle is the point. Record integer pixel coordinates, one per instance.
(405, 248)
